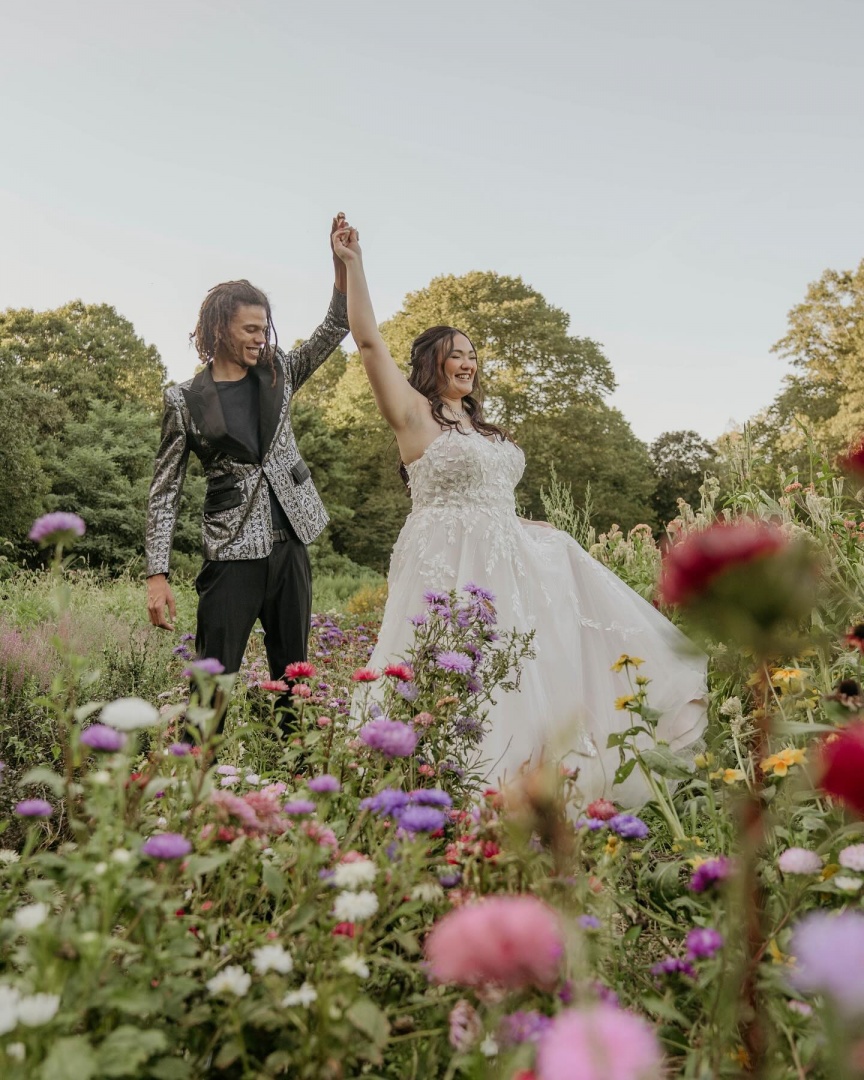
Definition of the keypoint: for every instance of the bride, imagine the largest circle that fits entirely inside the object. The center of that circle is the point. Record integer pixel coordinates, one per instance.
(462, 471)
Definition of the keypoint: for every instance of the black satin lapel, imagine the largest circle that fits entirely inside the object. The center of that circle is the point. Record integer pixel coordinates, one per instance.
(269, 403)
(202, 398)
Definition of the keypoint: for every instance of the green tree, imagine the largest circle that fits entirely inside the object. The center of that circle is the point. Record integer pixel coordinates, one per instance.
(81, 353)
(680, 460)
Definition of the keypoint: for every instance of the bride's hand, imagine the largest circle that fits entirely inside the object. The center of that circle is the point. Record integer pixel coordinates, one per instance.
(346, 244)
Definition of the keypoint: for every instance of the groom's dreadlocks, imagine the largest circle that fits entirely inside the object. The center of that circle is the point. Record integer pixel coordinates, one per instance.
(216, 313)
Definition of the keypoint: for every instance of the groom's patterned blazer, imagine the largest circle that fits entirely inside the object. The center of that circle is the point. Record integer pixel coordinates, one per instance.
(237, 517)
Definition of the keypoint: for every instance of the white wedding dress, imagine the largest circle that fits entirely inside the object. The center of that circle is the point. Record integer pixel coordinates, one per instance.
(463, 528)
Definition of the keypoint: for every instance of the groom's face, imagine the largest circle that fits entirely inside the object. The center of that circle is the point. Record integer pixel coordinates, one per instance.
(247, 335)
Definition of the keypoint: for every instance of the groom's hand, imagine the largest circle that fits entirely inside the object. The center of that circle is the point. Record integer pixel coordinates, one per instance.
(339, 223)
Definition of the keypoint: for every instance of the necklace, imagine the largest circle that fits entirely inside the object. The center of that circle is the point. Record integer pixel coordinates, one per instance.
(456, 415)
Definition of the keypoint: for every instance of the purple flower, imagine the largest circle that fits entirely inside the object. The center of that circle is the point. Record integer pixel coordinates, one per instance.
(300, 806)
(417, 620)
(34, 808)
(590, 823)
(523, 1026)
(391, 737)
(431, 797)
(467, 727)
(829, 953)
(179, 749)
(169, 845)
(702, 942)
(450, 880)
(187, 637)
(324, 784)
(474, 684)
(407, 690)
(478, 591)
(181, 650)
(206, 666)
(56, 528)
(458, 662)
(604, 993)
(628, 827)
(434, 599)
(673, 965)
(385, 802)
(227, 770)
(416, 819)
(452, 767)
(589, 922)
(710, 873)
(102, 737)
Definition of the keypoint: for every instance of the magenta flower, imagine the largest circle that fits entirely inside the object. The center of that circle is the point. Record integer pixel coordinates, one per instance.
(601, 1042)
(324, 784)
(206, 666)
(167, 845)
(458, 662)
(673, 965)
(391, 737)
(300, 806)
(104, 738)
(34, 808)
(703, 942)
(179, 749)
(710, 873)
(56, 528)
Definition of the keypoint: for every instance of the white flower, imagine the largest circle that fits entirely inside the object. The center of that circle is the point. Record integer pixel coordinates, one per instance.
(489, 1048)
(304, 996)
(427, 891)
(231, 980)
(354, 907)
(350, 875)
(121, 855)
(30, 916)
(731, 707)
(100, 868)
(9, 998)
(354, 964)
(38, 1009)
(796, 860)
(161, 822)
(101, 777)
(229, 781)
(7, 855)
(272, 958)
(17, 1051)
(852, 857)
(252, 778)
(129, 714)
(846, 883)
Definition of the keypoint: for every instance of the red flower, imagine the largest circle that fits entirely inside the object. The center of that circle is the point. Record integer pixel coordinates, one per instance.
(400, 671)
(365, 674)
(347, 929)
(843, 767)
(690, 566)
(302, 669)
(489, 849)
(853, 460)
(855, 638)
(601, 809)
(275, 686)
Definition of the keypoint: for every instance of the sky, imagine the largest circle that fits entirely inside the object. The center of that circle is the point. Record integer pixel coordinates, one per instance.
(671, 173)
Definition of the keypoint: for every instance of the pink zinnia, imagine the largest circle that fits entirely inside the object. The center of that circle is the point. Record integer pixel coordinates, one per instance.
(365, 674)
(511, 941)
(599, 1043)
(274, 686)
(302, 669)
(601, 810)
(400, 671)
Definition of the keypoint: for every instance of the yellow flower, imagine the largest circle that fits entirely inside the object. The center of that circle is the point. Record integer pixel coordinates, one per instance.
(612, 846)
(728, 776)
(642, 680)
(788, 680)
(781, 763)
(624, 661)
(623, 702)
(776, 955)
(704, 761)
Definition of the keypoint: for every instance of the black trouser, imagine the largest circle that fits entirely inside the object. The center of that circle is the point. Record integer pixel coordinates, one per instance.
(277, 590)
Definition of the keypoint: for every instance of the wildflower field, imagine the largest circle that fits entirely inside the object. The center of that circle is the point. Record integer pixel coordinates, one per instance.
(321, 895)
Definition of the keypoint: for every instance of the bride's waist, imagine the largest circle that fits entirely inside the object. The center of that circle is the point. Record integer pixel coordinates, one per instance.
(466, 508)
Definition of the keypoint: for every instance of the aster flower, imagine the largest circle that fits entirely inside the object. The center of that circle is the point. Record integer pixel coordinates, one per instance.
(628, 827)
(231, 980)
(407, 691)
(710, 873)
(179, 749)
(272, 958)
(103, 738)
(324, 784)
(365, 675)
(391, 737)
(852, 857)
(385, 802)
(673, 965)
(796, 860)
(355, 906)
(402, 672)
(301, 669)
(431, 797)
(300, 806)
(465, 1026)
(34, 808)
(274, 686)
(601, 1042)
(847, 884)
(589, 922)
(450, 879)
(351, 875)
(451, 660)
(602, 809)
(166, 846)
(591, 824)
(56, 528)
(523, 1026)
(829, 953)
(703, 942)
(416, 819)
(478, 592)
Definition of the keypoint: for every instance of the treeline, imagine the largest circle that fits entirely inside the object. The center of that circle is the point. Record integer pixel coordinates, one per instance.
(80, 406)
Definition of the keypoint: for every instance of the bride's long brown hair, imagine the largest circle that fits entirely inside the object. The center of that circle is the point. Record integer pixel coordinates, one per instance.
(428, 353)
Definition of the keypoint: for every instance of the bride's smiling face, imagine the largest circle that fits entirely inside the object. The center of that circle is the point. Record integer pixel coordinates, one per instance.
(459, 368)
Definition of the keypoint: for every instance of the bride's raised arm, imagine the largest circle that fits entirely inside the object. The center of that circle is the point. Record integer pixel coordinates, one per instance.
(400, 404)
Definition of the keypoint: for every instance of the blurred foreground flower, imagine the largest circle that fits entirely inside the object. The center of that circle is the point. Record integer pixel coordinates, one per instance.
(599, 1043)
(103, 738)
(34, 808)
(166, 846)
(129, 714)
(843, 767)
(742, 580)
(57, 528)
(829, 954)
(510, 941)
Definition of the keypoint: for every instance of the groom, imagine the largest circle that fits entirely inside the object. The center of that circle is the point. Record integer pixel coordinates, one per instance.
(261, 508)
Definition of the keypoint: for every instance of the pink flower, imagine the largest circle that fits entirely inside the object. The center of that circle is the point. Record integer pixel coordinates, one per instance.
(302, 669)
(301, 690)
(796, 860)
(466, 1027)
(365, 674)
(599, 1043)
(57, 528)
(511, 941)
(404, 672)
(601, 810)
(274, 686)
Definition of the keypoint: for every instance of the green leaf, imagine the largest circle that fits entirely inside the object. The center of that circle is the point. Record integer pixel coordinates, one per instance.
(665, 1010)
(228, 1054)
(43, 775)
(205, 864)
(623, 771)
(70, 1058)
(169, 1069)
(274, 881)
(365, 1015)
(661, 760)
(127, 1048)
(632, 934)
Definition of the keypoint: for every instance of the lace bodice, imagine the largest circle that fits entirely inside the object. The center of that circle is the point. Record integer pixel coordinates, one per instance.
(460, 470)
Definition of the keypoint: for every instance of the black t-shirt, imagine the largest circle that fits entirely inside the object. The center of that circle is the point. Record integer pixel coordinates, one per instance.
(239, 401)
